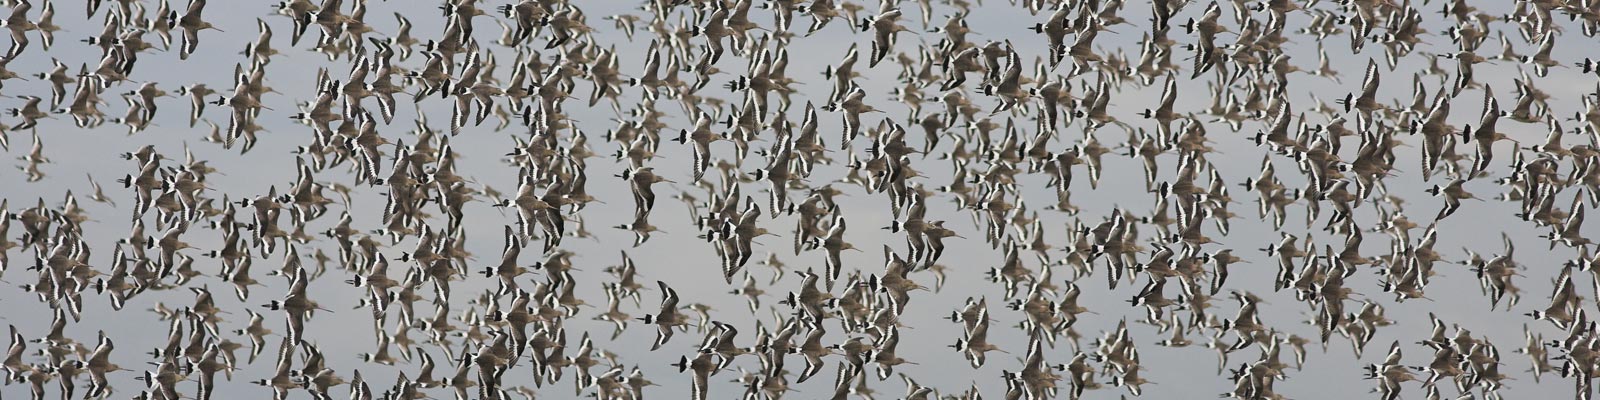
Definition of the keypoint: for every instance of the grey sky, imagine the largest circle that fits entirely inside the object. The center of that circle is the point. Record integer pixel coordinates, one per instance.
(691, 266)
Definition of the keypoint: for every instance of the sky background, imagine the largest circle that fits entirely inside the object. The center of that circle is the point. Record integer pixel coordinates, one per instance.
(690, 265)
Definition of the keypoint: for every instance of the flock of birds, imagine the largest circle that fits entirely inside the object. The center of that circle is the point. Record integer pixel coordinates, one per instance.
(715, 80)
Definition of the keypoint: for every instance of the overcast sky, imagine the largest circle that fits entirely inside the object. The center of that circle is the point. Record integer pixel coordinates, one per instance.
(690, 264)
